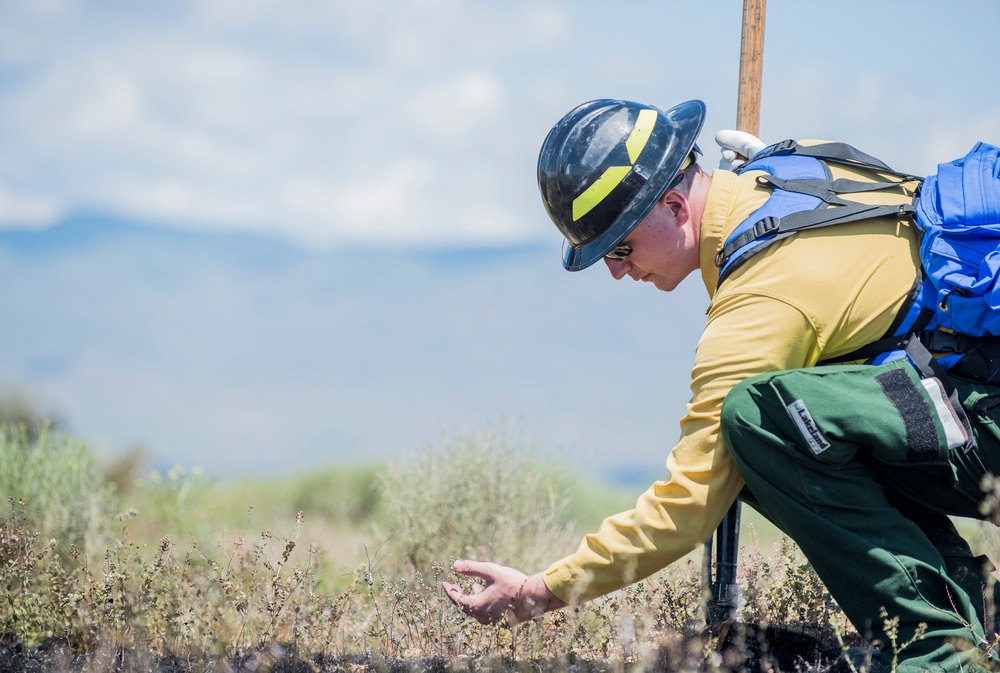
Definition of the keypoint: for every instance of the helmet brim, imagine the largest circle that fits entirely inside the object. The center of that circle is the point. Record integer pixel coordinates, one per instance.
(685, 122)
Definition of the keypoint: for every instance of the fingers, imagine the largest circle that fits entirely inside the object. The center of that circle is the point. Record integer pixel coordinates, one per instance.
(457, 596)
(483, 570)
(744, 144)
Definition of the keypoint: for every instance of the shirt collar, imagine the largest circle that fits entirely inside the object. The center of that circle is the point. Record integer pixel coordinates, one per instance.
(718, 209)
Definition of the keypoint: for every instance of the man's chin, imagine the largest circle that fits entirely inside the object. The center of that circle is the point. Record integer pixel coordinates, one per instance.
(662, 285)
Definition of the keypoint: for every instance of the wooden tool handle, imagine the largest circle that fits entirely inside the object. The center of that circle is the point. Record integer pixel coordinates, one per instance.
(751, 67)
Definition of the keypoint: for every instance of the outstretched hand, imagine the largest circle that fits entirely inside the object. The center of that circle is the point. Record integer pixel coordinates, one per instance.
(502, 596)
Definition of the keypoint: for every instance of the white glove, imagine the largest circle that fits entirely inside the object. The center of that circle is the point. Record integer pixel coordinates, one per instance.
(737, 147)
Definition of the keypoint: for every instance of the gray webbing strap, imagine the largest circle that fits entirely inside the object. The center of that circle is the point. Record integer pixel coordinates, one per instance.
(928, 367)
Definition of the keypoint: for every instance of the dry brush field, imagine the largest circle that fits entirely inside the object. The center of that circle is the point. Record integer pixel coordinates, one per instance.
(112, 568)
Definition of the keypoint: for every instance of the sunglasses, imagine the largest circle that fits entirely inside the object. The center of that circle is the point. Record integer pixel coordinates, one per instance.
(619, 252)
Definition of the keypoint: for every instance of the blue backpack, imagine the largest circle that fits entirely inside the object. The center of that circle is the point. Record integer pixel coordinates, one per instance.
(954, 306)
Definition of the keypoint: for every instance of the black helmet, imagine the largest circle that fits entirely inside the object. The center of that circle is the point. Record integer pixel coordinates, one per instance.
(604, 166)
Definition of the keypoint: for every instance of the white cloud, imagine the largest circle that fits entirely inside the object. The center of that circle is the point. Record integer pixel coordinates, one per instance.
(331, 122)
(487, 223)
(383, 119)
(86, 100)
(110, 102)
(542, 23)
(22, 210)
(161, 198)
(182, 201)
(384, 206)
(456, 108)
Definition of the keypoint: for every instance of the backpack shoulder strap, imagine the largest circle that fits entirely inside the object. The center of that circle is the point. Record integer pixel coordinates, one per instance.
(841, 153)
(791, 168)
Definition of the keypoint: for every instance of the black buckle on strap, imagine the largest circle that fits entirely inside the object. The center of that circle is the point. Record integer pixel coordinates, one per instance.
(766, 226)
(939, 341)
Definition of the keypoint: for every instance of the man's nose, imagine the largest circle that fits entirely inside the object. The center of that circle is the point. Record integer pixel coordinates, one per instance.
(617, 267)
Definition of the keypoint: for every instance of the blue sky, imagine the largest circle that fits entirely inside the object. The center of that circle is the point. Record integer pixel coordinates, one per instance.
(314, 231)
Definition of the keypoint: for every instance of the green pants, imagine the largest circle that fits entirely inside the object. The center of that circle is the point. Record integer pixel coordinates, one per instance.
(852, 462)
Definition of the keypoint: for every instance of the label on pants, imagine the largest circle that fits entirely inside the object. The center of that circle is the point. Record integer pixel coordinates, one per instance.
(807, 426)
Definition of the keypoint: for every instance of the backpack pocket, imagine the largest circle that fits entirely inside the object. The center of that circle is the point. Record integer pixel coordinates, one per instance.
(964, 271)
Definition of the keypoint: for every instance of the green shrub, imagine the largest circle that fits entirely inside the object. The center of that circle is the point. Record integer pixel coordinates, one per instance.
(56, 478)
(345, 494)
(485, 496)
(18, 410)
(175, 504)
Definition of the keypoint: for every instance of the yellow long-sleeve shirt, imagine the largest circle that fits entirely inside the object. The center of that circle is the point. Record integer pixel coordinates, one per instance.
(816, 295)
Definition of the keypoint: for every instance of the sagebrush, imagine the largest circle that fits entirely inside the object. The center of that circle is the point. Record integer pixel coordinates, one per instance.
(121, 578)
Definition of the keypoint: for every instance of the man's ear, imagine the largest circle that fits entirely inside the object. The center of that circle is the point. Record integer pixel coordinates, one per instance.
(676, 205)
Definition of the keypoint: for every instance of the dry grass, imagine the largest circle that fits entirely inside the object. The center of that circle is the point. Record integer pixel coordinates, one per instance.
(163, 577)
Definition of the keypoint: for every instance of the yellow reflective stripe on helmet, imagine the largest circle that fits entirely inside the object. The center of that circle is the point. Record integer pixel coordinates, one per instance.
(613, 176)
(640, 133)
(595, 193)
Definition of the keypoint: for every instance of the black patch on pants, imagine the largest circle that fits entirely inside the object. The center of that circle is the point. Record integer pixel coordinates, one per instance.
(921, 431)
